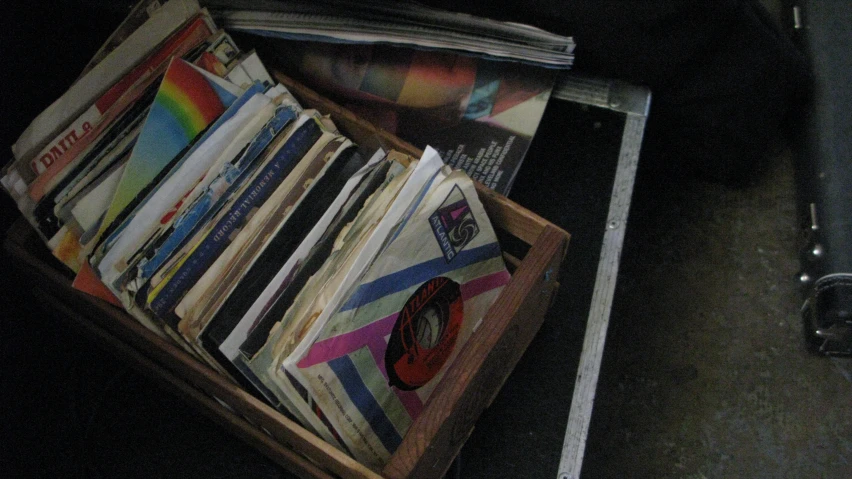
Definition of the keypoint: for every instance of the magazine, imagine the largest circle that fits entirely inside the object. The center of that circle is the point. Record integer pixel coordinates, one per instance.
(480, 115)
(398, 23)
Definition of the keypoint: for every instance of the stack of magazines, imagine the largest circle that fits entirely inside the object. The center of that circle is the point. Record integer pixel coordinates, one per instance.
(395, 22)
(177, 180)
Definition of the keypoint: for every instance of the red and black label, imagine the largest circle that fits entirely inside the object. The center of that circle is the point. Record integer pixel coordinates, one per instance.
(424, 334)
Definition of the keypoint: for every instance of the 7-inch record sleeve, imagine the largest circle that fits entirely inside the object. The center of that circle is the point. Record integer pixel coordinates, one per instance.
(278, 251)
(314, 260)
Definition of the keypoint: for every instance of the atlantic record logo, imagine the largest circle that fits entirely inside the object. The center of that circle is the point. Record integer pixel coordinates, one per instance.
(453, 224)
(424, 334)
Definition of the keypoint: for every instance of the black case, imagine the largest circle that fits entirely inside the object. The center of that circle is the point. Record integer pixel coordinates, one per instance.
(823, 160)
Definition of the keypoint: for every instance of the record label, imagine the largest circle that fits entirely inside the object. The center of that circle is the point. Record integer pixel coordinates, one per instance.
(453, 224)
(424, 334)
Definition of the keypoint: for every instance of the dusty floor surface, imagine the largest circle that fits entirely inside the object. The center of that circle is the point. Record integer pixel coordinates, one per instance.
(705, 372)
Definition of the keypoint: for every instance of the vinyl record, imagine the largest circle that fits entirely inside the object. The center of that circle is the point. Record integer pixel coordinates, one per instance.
(424, 334)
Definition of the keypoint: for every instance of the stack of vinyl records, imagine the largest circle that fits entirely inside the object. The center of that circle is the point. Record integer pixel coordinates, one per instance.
(178, 181)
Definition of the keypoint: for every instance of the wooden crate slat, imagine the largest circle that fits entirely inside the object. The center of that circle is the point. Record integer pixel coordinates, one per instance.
(508, 215)
(471, 382)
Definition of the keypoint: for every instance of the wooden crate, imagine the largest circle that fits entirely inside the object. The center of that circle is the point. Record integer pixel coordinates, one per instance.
(447, 420)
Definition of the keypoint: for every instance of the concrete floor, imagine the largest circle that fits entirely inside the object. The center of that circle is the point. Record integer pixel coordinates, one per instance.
(705, 372)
